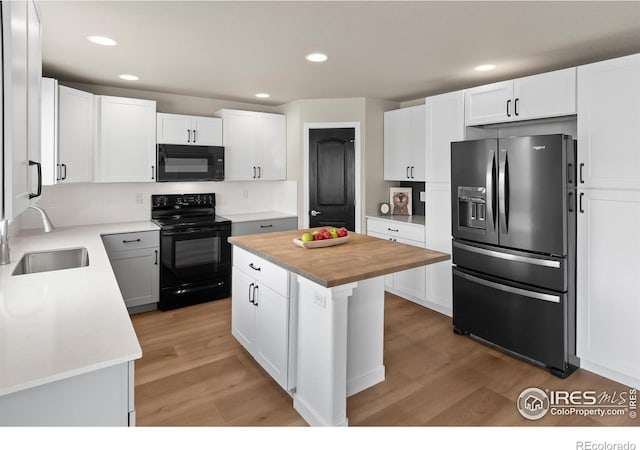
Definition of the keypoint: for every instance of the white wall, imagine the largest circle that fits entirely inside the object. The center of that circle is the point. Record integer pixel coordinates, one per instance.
(92, 203)
(370, 114)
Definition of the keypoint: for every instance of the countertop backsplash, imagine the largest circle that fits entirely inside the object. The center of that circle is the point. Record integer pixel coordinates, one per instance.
(96, 203)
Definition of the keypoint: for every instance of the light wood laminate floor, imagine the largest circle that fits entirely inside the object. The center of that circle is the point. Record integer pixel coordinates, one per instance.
(194, 373)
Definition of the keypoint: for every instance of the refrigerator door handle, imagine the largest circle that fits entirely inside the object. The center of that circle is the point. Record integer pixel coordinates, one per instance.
(502, 193)
(489, 183)
(508, 256)
(509, 289)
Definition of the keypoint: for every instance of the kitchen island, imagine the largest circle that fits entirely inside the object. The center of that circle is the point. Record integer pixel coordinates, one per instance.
(331, 302)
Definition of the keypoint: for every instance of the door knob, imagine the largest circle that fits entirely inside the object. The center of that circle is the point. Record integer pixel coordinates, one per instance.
(315, 213)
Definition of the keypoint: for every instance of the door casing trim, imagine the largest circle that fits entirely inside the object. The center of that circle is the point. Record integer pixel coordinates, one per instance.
(358, 168)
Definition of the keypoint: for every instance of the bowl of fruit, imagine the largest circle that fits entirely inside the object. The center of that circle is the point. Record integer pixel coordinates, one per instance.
(323, 237)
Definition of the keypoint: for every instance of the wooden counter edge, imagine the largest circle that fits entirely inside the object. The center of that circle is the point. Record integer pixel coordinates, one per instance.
(437, 257)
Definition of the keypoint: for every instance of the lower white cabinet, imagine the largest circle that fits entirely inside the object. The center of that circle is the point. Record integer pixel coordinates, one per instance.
(608, 302)
(409, 284)
(103, 397)
(439, 292)
(260, 312)
(134, 259)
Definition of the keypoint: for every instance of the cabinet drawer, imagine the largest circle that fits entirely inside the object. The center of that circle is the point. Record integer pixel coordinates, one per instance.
(397, 229)
(130, 241)
(262, 271)
(264, 226)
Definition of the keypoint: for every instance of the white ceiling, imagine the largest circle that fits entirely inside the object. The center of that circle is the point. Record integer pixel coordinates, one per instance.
(385, 49)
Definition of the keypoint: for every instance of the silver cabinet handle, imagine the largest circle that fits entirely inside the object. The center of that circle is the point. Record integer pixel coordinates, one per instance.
(508, 256)
(315, 213)
(251, 291)
(255, 300)
(509, 289)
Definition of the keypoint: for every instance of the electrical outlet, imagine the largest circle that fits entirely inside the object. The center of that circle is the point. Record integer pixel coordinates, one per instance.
(139, 199)
(423, 196)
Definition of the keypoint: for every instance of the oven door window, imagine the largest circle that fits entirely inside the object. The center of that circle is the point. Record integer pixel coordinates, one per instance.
(192, 254)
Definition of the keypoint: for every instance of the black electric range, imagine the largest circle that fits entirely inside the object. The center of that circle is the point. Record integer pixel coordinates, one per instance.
(195, 255)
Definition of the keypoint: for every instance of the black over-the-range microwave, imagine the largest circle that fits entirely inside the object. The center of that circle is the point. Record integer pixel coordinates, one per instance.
(190, 162)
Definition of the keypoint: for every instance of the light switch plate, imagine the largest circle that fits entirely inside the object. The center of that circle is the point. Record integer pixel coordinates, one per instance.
(423, 196)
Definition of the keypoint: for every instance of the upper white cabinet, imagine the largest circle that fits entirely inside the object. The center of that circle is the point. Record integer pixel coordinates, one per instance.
(548, 94)
(126, 140)
(21, 73)
(444, 119)
(404, 144)
(188, 130)
(607, 303)
(68, 134)
(608, 122)
(255, 145)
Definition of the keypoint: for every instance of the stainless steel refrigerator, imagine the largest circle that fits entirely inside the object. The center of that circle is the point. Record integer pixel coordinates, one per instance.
(514, 239)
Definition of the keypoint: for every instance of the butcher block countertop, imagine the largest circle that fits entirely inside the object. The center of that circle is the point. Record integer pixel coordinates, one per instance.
(360, 258)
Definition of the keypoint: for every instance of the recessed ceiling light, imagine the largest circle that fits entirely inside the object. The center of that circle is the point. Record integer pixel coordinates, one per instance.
(102, 40)
(262, 95)
(316, 57)
(485, 67)
(128, 77)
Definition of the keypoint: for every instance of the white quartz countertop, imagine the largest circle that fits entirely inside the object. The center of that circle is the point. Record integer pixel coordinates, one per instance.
(417, 220)
(261, 215)
(58, 324)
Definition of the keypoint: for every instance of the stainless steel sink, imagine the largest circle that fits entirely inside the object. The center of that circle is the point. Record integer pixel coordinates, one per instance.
(46, 261)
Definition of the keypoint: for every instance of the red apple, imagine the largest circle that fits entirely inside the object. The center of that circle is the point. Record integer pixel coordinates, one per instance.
(317, 237)
(326, 235)
(342, 232)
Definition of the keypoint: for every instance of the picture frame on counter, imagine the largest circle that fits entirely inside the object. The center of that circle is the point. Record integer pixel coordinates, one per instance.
(384, 209)
(400, 201)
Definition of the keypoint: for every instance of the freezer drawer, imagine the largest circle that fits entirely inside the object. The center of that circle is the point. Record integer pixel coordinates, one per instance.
(547, 272)
(530, 323)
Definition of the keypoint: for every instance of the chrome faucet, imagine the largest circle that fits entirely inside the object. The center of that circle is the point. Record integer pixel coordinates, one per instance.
(4, 234)
(46, 222)
(4, 242)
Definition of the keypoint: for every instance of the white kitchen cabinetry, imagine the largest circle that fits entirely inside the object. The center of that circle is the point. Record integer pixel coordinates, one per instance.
(404, 144)
(260, 312)
(444, 118)
(21, 73)
(188, 130)
(255, 145)
(608, 336)
(608, 119)
(68, 134)
(126, 140)
(548, 94)
(439, 295)
(103, 397)
(409, 284)
(134, 259)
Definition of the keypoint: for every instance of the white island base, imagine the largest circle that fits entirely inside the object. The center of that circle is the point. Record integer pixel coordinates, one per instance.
(339, 347)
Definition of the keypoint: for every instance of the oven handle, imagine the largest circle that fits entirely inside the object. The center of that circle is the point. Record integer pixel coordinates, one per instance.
(191, 231)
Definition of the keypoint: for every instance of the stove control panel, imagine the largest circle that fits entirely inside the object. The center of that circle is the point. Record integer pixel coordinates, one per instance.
(183, 200)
